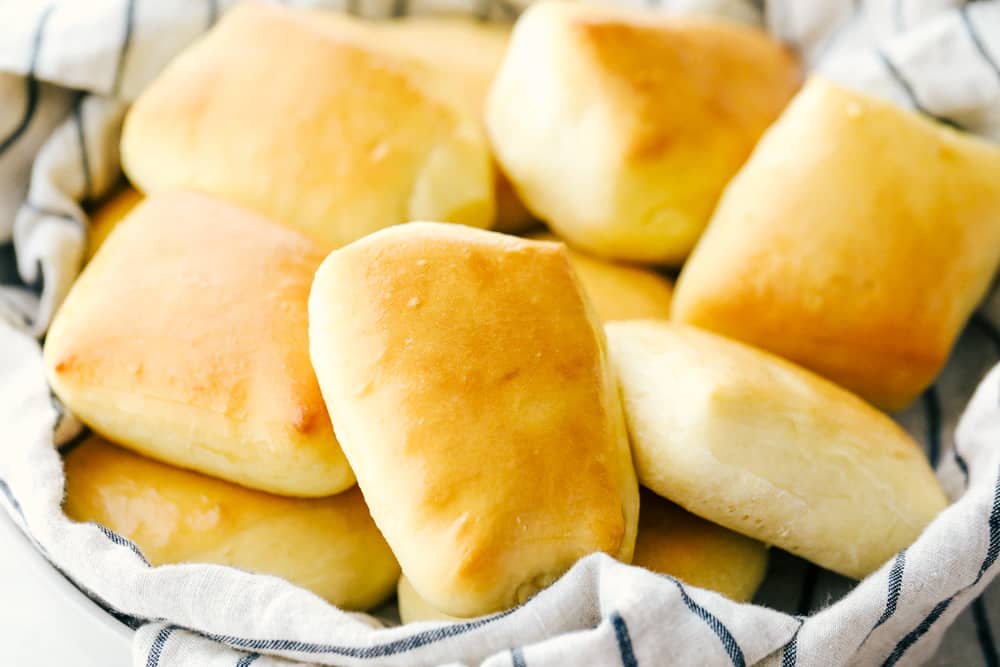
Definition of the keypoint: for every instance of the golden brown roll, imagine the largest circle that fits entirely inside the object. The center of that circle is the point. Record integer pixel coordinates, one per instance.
(327, 545)
(186, 339)
(107, 215)
(619, 291)
(670, 541)
(342, 140)
(464, 54)
(856, 242)
(413, 608)
(698, 552)
(636, 123)
(763, 447)
(469, 384)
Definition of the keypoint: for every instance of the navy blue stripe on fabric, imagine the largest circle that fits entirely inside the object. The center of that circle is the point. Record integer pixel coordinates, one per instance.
(994, 545)
(410, 643)
(932, 419)
(116, 85)
(248, 660)
(894, 589)
(132, 622)
(790, 651)
(962, 464)
(976, 41)
(117, 539)
(624, 641)
(992, 551)
(908, 89)
(984, 633)
(156, 650)
(728, 641)
(914, 635)
(31, 84)
(517, 658)
(81, 140)
(129, 621)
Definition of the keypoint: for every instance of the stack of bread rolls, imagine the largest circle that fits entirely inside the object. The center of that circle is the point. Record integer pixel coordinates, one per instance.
(301, 353)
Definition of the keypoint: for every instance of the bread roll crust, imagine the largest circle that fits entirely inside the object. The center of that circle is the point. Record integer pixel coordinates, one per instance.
(768, 449)
(670, 541)
(106, 216)
(463, 55)
(856, 242)
(344, 140)
(470, 388)
(327, 545)
(186, 339)
(638, 121)
(413, 608)
(675, 542)
(619, 291)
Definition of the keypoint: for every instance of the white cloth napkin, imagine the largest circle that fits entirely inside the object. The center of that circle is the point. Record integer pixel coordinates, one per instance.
(67, 72)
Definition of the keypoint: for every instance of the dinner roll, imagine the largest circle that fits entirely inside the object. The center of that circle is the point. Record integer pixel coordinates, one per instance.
(344, 139)
(186, 339)
(107, 215)
(327, 545)
(619, 291)
(637, 121)
(675, 542)
(464, 55)
(856, 242)
(670, 541)
(765, 448)
(413, 608)
(469, 384)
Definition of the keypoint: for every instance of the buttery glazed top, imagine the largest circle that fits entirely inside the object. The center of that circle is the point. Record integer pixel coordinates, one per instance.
(638, 121)
(186, 338)
(856, 241)
(470, 387)
(687, 85)
(327, 545)
(346, 139)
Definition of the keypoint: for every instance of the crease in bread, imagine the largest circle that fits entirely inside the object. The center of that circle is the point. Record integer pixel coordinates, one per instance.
(618, 291)
(768, 449)
(329, 546)
(463, 55)
(346, 139)
(674, 542)
(637, 121)
(856, 241)
(468, 381)
(186, 339)
(106, 216)
(670, 541)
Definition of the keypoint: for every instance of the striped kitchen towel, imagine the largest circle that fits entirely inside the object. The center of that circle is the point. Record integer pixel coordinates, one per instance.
(67, 72)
